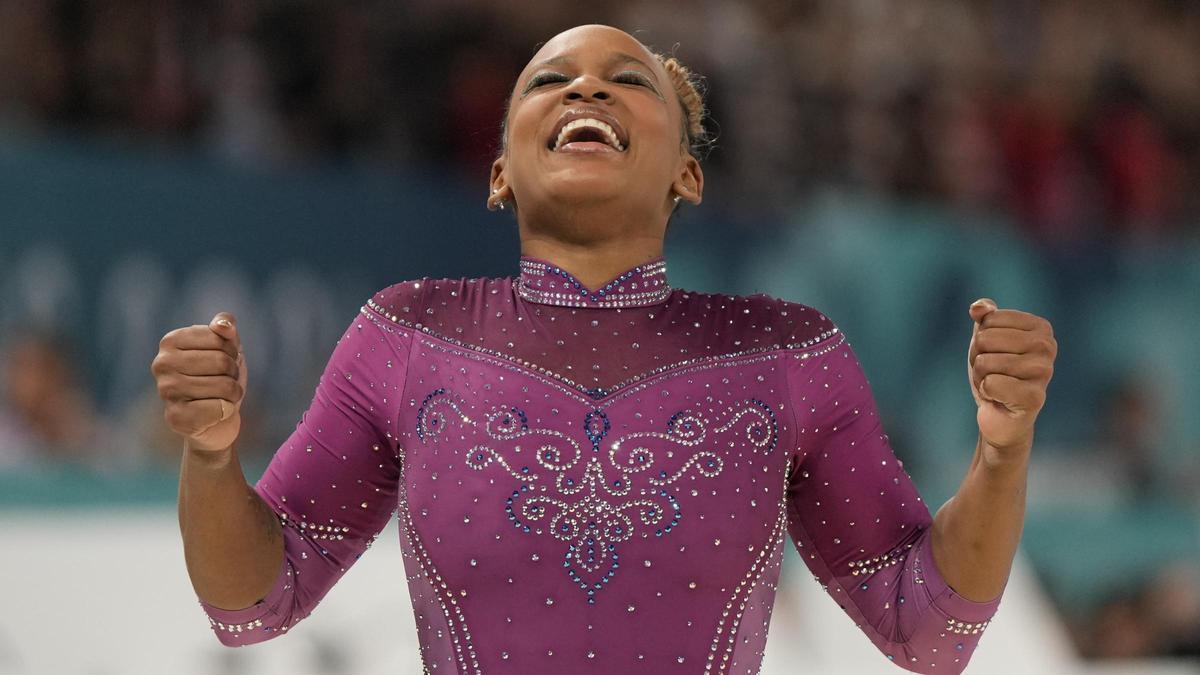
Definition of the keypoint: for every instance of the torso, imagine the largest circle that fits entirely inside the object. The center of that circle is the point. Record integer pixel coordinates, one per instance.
(587, 489)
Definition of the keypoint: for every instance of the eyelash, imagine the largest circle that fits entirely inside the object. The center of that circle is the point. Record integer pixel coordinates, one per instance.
(627, 77)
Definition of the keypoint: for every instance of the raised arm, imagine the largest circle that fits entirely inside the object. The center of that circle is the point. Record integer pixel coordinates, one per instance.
(232, 542)
(1009, 365)
(261, 558)
(862, 528)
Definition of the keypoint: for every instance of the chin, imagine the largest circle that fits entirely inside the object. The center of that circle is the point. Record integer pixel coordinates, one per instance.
(581, 186)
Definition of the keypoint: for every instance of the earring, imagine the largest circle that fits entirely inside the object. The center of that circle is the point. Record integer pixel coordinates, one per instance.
(677, 199)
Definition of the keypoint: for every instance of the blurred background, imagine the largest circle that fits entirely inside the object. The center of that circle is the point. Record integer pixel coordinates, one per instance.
(885, 162)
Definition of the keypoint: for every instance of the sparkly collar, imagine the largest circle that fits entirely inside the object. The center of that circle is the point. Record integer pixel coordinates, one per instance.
(548, 284)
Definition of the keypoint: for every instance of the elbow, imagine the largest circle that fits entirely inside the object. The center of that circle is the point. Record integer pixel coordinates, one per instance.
(949, 661)
(271, 617)
(245, 634)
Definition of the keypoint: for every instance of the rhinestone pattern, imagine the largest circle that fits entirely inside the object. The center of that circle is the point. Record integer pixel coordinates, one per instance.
(873, 565)
(595, 482)
(965, 627)
(592, 500)
(547, 283)
(235, 627)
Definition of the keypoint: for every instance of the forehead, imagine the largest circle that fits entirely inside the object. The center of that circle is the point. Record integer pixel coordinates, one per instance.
(593, 43)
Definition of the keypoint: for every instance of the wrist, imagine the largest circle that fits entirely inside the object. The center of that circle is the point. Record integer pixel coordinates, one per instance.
(209, 459)
(1010, 457)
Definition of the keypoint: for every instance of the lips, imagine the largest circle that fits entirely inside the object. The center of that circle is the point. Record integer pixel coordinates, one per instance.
(587, 129)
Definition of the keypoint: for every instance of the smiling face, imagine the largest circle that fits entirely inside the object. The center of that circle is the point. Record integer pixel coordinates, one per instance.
(594, 120)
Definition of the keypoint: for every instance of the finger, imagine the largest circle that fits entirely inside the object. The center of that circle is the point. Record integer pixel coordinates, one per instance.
(981, 308)
(225, 325)
(1012, 318)
(978, 311)
(209, 362)
(1011, 341)
(196, 337)
(227, 408)
(243, 371)
(1015, 394)
(194, 417)
(1020, 366)
(188, 388)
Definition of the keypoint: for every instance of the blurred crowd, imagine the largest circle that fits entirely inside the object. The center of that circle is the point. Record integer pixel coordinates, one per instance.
(1081, 119)
(1077, 122)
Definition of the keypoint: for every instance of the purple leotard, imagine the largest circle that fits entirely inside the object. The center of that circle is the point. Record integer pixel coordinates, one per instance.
(602, 481)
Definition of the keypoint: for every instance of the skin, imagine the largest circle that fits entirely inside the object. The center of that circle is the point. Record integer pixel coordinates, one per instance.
(596, 214)
(1010, 361)
(232, 541)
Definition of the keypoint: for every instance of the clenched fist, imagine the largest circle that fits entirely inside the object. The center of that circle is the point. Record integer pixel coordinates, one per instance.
(1009, 364)
(201, 376)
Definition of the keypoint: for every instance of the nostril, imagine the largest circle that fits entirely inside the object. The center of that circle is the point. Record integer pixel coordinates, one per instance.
(602, 95)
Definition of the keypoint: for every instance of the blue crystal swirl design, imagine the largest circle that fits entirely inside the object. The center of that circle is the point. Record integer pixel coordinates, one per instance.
(593, 501)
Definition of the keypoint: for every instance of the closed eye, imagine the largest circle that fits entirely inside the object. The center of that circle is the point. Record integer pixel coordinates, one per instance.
(632, 77)
(544, 78)
(627, 77)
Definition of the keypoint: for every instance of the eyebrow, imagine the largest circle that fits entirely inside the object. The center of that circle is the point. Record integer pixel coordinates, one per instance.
(617, 57)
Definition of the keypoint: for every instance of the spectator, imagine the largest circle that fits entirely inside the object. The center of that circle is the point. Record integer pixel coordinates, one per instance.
(47, 416)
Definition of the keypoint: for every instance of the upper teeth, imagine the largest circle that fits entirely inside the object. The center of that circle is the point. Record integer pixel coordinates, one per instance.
(602, 127)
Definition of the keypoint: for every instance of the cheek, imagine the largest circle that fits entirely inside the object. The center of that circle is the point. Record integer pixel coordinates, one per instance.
(661, 134)
(523, 142)
(523, 121)
(662, 160)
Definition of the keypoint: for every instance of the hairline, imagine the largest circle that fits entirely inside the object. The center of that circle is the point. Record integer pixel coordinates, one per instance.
(620, 56)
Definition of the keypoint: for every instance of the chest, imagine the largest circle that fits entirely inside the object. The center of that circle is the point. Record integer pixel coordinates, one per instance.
(545, 484)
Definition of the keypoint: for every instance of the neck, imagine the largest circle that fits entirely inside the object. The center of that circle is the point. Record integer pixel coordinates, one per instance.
(593, 240)
(594, 263)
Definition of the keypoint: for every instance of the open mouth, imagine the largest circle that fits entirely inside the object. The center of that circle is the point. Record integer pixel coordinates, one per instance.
(584, 131)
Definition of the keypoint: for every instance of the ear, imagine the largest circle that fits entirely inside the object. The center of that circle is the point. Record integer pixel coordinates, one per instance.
(498, 190)
(689, 184)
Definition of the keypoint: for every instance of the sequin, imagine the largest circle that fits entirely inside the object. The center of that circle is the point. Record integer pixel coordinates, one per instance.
(569, 465)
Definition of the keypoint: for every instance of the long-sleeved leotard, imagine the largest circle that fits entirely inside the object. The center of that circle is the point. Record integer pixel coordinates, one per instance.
(603, 480)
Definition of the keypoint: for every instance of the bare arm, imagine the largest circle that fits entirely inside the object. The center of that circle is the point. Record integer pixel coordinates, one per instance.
(976, 532)
(232, 541)
(1009, 365)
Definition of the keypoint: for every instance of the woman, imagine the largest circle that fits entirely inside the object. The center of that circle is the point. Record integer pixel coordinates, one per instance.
(593, 471)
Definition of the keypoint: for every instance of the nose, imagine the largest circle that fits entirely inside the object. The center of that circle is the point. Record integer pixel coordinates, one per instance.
(586, 88)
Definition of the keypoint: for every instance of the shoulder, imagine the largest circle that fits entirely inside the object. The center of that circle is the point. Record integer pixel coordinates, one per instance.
(765, 320)
(803, 326)
(413, 302)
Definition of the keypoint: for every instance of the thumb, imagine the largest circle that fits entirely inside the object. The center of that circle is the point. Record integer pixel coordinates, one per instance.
(981, 308)
(225, 325)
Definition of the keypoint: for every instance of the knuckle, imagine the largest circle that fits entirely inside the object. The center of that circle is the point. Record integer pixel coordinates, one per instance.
(1047, 345)
(176, 417)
